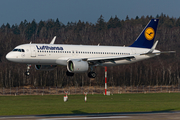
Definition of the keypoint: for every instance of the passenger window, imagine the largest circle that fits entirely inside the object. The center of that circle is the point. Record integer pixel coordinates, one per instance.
(23, 50)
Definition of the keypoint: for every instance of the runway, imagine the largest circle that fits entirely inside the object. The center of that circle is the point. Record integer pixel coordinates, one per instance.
(161, 115)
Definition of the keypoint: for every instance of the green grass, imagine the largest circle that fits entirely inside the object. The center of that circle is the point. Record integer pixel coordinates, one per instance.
(54, 104)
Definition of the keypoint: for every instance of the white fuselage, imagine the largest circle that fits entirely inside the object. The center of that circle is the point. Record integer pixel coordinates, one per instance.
(59, 54)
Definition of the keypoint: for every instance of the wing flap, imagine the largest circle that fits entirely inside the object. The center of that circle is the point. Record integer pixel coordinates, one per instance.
(109, 59)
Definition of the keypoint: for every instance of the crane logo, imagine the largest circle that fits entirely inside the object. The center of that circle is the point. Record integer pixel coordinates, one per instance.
(149, 33)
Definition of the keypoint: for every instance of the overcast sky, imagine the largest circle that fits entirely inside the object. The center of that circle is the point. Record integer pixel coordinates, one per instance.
(15, 11)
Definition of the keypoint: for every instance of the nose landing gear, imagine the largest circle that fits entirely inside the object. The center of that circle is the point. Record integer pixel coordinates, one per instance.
(28, 68)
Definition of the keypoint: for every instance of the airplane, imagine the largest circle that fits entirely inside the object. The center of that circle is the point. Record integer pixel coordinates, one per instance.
(81, 58)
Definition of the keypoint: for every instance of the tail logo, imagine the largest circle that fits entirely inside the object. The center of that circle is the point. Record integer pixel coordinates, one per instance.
(149, 33)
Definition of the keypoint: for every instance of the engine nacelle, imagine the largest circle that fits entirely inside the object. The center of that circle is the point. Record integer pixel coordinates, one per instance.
(77, 66)
(45, 67)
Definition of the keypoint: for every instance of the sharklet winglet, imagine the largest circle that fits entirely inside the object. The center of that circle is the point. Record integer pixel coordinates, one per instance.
(53, 40)
(153, 47)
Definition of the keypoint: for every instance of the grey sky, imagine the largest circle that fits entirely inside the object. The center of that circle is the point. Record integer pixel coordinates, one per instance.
(15, 11)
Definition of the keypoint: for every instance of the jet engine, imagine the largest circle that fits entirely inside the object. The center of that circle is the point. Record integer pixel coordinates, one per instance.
(77, 66)
(45, 67)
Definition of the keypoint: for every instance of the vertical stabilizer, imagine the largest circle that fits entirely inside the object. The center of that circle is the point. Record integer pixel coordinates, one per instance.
(146, 38)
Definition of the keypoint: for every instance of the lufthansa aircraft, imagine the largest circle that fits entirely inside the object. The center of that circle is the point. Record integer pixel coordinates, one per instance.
(81, 58)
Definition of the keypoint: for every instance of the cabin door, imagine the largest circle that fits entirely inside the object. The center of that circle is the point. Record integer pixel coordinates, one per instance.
(33, 51)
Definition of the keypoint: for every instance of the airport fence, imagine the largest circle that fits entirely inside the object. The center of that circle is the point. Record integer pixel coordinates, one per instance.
(87, 89)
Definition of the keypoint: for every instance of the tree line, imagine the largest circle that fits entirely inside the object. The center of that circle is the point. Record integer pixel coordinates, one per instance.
(160, 70)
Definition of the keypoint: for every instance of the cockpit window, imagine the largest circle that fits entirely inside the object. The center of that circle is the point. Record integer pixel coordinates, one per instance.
(19, 50)
(15, 50)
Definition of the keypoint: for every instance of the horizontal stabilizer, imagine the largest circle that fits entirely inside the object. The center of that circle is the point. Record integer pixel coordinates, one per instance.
(168, 52)
(158, 52)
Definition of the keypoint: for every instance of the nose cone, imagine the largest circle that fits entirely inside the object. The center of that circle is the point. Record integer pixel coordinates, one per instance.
(9, 56)
(13, 57)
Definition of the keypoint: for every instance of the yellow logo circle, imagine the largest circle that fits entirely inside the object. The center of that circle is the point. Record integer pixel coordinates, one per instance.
(149, 33)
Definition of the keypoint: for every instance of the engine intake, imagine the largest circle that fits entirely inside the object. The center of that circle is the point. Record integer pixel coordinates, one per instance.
(77, 66)
(45, 67)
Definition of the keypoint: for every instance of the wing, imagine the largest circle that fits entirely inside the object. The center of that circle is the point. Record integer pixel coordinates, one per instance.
(113, 59)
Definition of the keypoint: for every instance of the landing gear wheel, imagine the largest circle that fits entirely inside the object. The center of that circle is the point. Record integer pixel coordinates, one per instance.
(91, 74)
(27, 73)
(69, 73)
(28, 68)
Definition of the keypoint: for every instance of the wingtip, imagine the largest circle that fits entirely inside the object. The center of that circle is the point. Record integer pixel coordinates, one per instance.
(53, 40)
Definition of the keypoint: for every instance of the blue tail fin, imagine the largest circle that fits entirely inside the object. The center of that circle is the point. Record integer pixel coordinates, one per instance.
(146, 38)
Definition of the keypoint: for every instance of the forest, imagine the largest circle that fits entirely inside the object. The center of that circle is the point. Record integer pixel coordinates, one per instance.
(160, 70)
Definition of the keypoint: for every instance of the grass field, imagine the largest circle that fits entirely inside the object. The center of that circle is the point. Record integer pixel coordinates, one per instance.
(54, 104)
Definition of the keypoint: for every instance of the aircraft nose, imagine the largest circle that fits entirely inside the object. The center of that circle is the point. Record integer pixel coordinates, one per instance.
(9, 56)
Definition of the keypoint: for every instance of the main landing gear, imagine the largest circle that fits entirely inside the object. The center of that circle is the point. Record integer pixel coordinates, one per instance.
(92, 74)
(27, 71)
(69, 74)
